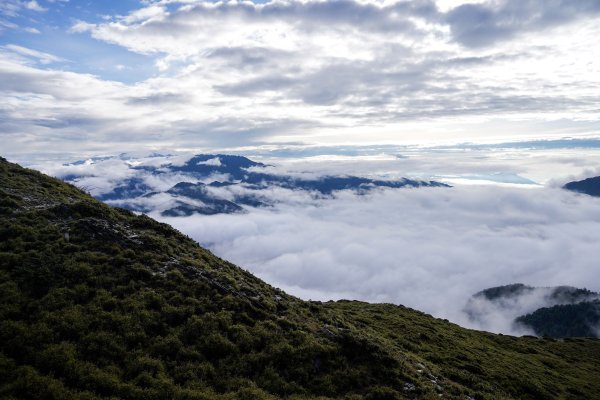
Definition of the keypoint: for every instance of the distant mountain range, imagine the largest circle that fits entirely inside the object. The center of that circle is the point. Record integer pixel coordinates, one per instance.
(212, 184)
(561, 311)
(589, 186)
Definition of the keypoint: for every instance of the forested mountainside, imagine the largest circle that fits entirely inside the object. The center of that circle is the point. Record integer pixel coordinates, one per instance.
(99, 303)
(565, 320)
(559, 311)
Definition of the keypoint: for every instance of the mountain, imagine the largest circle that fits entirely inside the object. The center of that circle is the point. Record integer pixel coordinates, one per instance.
(197, 191)
(560, 294)
(504, 292)
(561, 311)
(565, 320)
(209, 183)
(589, 186)
(99, 303)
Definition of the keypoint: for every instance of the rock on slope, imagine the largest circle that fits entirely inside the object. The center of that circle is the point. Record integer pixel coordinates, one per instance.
(99, 303)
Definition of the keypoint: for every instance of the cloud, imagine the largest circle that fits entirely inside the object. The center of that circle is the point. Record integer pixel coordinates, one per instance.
(32, 30)
(239, 74)
(34, 6)
(41, 57)
(4, 24)
(425, 248)
(159, 99)
(12, 8)
(248, 23)
(477, 25)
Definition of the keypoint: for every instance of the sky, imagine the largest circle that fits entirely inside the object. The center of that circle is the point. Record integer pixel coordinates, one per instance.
(80, 78)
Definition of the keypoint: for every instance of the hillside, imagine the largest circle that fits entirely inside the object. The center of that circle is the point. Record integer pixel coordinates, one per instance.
(99, 303)
(565, 320)
(559, 311)
(590, 186)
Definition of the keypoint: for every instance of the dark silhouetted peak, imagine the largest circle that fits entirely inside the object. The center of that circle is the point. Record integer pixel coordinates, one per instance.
(565, 320)
(512, 290)
(590, 186)
(207, 164)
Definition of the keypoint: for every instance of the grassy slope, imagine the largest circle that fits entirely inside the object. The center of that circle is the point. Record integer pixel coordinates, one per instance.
(126, 307)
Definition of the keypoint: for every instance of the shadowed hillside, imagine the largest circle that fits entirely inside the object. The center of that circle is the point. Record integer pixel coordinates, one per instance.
(99, 303)
(565, 320)
(589, 186)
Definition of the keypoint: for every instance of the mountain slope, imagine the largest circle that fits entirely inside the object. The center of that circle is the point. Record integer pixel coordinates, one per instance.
(565, 320)
(99, 303)
(560, 311)
(589, 186)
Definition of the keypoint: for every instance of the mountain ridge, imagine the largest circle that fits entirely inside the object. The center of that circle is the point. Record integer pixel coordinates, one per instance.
(217, 183)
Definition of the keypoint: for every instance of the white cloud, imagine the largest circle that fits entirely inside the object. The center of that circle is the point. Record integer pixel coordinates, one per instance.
(81, 26)
(237, 74)
(149, 14)
(43, 58)
(4, 24)
(33, 5)
(216, 161)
